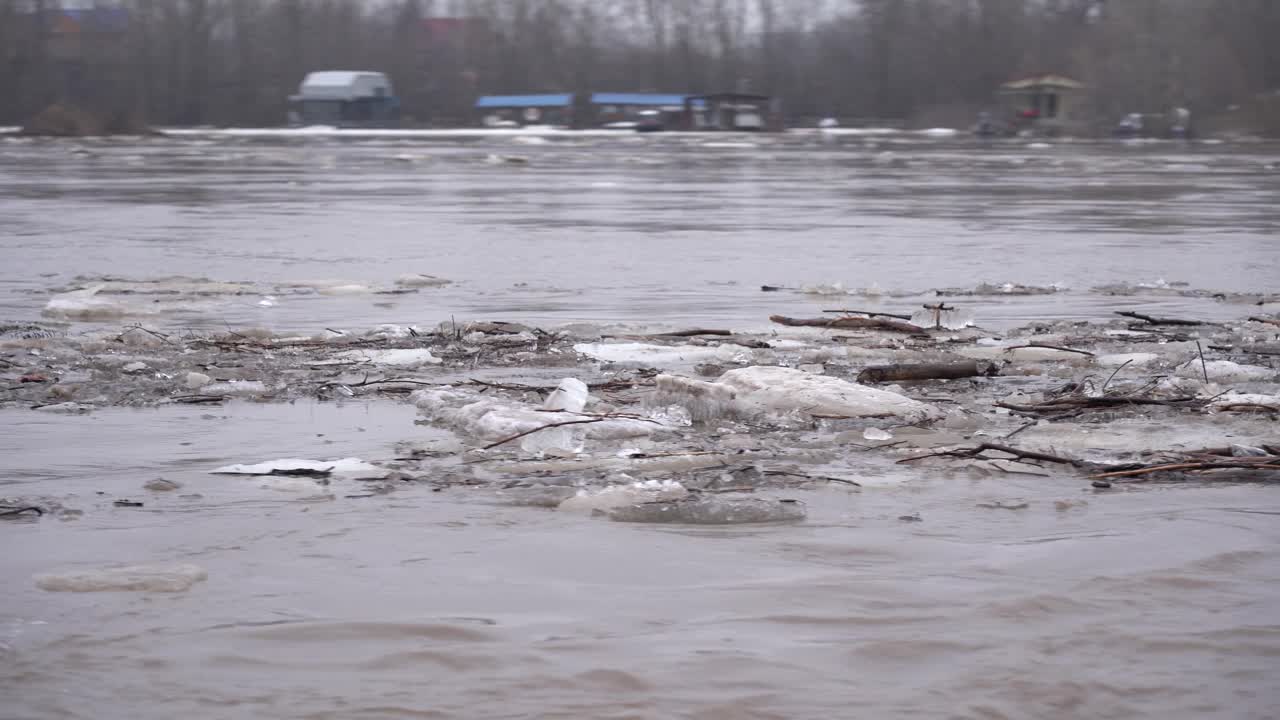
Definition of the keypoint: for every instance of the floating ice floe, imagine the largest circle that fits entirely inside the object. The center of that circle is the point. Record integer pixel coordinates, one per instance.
(132, 578)
(491, 420)
(776, 390)
(1020, 351)
(1258, 400)
(631, 465)
(347, 467)
(174, 285)
(408, 357)
(1113, 360)
(647, 355)
(836, 288)
(418, 280)
(1227, 371)
(953, 319)
(85, 304)
(710, 511)
(616, 496)
(236, 388)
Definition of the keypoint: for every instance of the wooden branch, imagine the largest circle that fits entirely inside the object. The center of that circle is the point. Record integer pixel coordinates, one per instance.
(693, 333)
(870, 314)
(929, 371)
(1159, 321)
(846, 323)
(1047, 346)
(1268, 321)
(1073, 403)
(1261, 463)
(517, 436)
(976, 453)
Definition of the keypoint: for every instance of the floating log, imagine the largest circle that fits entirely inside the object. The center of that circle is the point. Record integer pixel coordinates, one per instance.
(849, 323)
(930, 371)
(870, 314)
(1159, 321)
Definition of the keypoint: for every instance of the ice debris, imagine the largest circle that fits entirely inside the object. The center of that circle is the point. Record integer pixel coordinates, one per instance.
(84, 304)
(1246, 400)
(1226, 370)
(710, 511)
(408, 357)
(1136, 359)
(570, 396)
(953, 319)
(616, 496)
(491, 419)
(195, 380)
(132, 578)
(351, 467)
(417, 280)
(872, 433)
(648, 355)
(238, 388)
(776, 390)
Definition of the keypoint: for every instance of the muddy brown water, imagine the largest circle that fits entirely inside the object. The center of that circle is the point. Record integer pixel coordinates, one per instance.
(1140, 601)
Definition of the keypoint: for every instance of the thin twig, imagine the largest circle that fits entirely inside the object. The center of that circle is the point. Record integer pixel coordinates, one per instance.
(517, 436)
(1113, 373)
(1203, 369)
(868, 313)
(1159, 321)
(1047, 346)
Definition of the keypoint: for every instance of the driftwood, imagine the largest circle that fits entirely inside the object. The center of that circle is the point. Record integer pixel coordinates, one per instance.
(1047, 346)
(586, 420)
(1268, 321)
(694, 333)
(978, 453)
(1159, 321)
(1197, 461)
(1261, 463)
(849, 323)
(1200, 460)
(930, 371)
(870, 314)
(1081, 402)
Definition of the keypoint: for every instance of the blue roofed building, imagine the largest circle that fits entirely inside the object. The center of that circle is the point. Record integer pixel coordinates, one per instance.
(520, 110)
(641, 111)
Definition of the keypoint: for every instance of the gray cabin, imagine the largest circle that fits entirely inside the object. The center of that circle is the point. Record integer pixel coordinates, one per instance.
(345, 98)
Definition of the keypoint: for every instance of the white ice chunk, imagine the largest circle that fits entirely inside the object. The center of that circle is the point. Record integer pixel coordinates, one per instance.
(1115, 360)
(615, 496)
(1226, 371)
(570, 395)
(1223, 402)
(85, 304)
(240, 388)
(710, 511)
(872, 433)
(644, 354)
(417, 280)
(776, 390)
(948, 319)
(836, 288)
(493, 420)
(354, 467)
(135, 578)
(345, 289)
(406, 357)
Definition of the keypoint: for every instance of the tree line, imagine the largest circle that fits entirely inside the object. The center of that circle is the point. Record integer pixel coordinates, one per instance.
(918, 62)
